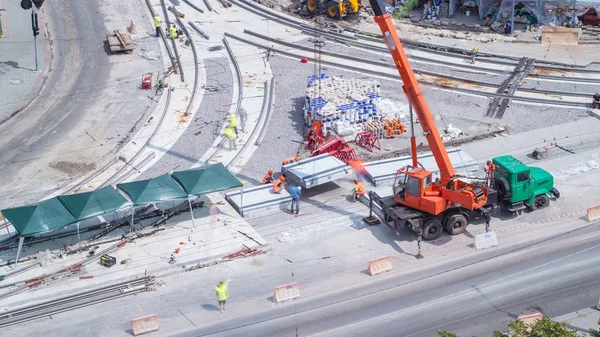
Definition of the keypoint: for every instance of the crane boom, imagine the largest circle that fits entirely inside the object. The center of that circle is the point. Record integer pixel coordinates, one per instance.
(413, 91)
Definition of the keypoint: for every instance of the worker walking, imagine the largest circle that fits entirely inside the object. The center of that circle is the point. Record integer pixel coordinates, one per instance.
(243, 118)
(268, 178)
(474, 54)
(173, 32)
(157, 25)
(222, 295)
(295, 192)
(596, 101)
(291, 160)
(358, 190)
(279, 184)
(232, 123)
(230, 134)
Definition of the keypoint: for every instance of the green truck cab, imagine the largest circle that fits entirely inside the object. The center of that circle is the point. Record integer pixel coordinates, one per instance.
(520, 186)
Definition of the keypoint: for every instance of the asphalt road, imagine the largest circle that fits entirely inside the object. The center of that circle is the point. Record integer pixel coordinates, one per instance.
(82, 113)
(556, 277)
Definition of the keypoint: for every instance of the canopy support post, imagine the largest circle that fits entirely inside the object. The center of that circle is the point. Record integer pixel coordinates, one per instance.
(21, 240)
(132, 215)
(79, 237)
(242, 201)
(192, 214)
(6, 225)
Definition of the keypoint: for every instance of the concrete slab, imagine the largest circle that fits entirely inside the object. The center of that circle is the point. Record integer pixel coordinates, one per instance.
(315, 171)
(258, 200)
(384, 171)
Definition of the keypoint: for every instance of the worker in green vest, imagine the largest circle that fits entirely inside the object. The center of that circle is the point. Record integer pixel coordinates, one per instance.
(173, 32)
(222, 295)
(233, 123)
(157, 25)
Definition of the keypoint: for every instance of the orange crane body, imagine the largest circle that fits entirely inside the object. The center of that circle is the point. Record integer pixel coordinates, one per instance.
(418, 189)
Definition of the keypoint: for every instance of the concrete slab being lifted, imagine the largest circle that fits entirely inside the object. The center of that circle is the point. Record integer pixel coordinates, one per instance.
(316, 170)
(257, 199)
(383, 171)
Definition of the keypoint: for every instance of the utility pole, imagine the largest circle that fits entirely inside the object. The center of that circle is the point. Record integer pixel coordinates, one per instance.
(33, 5)
(512, 19)
(36, 32)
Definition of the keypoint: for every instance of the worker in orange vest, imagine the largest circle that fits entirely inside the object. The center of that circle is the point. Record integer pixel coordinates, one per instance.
(278, 185)
(291, 160)
(358, 190)
(268, 177)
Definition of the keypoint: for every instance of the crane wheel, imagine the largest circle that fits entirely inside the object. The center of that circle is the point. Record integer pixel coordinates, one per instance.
(456, 224)
(541, 201)
(432, 229)
(312, 6)
(333, 10)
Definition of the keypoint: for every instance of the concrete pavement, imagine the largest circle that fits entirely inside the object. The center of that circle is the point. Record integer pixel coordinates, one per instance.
(19, 83)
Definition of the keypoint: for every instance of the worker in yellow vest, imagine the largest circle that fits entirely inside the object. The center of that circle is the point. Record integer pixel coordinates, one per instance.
(173, 32)
(157, 25)
(359, 189)
(222, 295)
(232, 123)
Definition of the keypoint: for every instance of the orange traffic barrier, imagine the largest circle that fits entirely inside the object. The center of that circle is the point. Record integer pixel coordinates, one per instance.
(530, 319)
(593, 213)
(144, 325)
(286, 292)
(380, 265)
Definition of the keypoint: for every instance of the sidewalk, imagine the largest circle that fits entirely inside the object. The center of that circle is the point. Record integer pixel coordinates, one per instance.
(19, 84)
(581, 320)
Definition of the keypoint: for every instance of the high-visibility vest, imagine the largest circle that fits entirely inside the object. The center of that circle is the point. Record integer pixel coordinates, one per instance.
(229, 133)
(156, 21)
(267, 179)
(277, 185)
(173, 32)
(232, 121)
(360, 189)
(221, 292)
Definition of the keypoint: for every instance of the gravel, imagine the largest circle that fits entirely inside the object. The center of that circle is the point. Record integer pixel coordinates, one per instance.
(190, 147)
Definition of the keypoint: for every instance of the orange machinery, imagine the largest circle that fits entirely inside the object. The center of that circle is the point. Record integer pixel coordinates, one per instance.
(427, 206)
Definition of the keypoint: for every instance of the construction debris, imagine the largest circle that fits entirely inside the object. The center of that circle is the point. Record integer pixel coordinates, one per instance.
(176, 12)
(119, 42)
(244, 252)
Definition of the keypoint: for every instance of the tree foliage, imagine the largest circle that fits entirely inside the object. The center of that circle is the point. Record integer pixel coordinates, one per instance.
(545, 327)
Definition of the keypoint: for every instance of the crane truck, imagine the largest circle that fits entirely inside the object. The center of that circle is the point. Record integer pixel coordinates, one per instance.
(430, 206)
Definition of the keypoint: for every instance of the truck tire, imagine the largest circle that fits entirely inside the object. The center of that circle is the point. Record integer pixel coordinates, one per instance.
(432, 229)
(539, 202)
(456, 224)
(333, 10)
(503, 189)
(312, 6)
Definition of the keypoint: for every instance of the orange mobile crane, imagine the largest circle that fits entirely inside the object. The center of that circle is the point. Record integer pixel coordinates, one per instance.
(425, 205)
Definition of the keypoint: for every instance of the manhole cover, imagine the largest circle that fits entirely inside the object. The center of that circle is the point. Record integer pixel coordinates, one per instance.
(15, 82)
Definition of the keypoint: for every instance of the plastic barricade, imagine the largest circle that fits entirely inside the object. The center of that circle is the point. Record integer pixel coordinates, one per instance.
(380, 265)
(486, 240)
(286, 292)
(593, 213)
(144, 325)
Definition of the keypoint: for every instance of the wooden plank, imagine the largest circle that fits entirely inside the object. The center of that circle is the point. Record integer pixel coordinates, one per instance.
(118, 35)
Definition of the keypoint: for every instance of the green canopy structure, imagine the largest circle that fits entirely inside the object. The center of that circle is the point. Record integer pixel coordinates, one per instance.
(49, 215)
(89, 204)
(206, 179)
(162, 188)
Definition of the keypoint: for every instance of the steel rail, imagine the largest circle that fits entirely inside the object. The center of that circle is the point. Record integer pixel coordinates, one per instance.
(193, 6)
(238, 73)
(262, 133)
(173, 41)
(435, 85)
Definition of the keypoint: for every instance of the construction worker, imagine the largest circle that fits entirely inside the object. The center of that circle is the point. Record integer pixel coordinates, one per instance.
(243, 118)
(358, 190)
(232, 123)
(268, 178)
(279, 184)
(596, 101)
(295, 192)
(291, 160)
(222, 295)
(173, 32)
(230, 134)
(474, 54)
(157, 25)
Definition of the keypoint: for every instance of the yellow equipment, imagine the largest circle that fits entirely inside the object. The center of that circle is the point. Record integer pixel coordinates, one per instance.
(335, 9)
